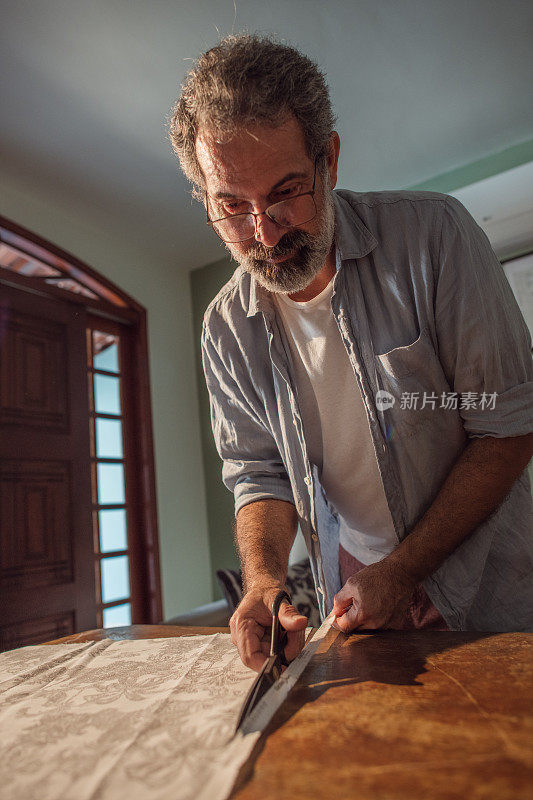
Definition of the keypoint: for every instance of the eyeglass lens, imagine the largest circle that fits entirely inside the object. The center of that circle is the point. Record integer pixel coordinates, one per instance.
(287, 213)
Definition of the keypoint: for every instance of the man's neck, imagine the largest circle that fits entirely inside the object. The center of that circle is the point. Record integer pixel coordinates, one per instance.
(319, 283)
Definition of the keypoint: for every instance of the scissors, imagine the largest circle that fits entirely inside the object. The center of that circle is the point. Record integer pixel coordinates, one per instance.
(271, 669)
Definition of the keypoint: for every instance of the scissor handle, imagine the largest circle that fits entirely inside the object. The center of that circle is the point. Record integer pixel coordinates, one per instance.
(279, 634)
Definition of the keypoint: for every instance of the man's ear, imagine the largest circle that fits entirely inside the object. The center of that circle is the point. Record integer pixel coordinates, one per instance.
(333, 157)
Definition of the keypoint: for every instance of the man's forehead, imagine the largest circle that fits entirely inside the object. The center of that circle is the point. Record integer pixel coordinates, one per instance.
(255, 153)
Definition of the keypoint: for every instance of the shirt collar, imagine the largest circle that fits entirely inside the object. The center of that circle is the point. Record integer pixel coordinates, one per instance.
(352, 240)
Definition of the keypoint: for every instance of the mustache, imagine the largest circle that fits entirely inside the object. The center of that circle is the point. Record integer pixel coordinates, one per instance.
(288, 242)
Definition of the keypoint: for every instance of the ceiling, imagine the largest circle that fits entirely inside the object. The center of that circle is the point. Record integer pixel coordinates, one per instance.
(420, 87)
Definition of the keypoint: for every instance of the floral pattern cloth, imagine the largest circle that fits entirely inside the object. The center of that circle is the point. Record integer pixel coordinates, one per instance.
(121, 720)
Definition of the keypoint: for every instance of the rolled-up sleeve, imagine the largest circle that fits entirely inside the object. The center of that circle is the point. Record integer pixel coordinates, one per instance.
(484, 344)
(252, 467)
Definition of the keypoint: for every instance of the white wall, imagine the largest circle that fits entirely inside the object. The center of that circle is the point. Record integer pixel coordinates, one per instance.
(64, 218)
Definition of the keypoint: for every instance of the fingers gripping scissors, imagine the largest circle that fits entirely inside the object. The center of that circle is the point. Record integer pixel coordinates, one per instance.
(271, 669)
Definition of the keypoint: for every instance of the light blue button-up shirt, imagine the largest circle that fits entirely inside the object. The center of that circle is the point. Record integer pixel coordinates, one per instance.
(426, 314)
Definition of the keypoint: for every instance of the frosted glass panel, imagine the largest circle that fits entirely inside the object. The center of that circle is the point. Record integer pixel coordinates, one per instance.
(110, 479)
(106, 394)
(116, 616)
(105, 348)
(113, 535)
(115, 578)
(108, 438)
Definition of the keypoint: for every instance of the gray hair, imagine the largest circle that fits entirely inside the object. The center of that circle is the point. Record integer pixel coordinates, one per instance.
(247, 79)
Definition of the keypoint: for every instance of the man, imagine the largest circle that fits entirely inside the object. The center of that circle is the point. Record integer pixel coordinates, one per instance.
(369, 371)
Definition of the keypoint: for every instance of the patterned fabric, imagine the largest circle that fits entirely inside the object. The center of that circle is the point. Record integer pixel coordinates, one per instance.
(299, 583)
(301, 588)
(147, 719)
(230, 582)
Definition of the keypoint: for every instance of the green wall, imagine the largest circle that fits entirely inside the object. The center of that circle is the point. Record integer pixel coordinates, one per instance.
(205, 284)
(478, 170)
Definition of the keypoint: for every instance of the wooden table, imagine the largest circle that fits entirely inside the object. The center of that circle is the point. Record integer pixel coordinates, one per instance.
(394, 716)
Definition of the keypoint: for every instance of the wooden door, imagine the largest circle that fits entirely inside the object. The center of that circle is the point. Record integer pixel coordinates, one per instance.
(47, 585)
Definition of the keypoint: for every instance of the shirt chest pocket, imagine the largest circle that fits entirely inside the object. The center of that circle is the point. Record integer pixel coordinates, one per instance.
(407, 360)
(413, 375)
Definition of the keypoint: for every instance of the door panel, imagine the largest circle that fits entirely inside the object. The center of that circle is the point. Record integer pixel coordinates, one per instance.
(35, 524)
(33, 377)
(46, 555)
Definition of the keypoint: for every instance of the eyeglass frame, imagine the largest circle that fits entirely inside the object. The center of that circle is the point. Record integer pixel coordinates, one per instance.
(212, 222)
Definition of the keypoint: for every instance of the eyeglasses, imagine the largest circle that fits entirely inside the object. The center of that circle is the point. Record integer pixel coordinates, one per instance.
(289, 213)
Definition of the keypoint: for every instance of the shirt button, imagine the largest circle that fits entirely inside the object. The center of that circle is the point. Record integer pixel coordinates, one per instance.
(307, 480)
(314, 537)
(320, 589)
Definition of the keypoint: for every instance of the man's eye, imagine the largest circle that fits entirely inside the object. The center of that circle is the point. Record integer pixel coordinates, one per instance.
(234, 208)
(288, 192)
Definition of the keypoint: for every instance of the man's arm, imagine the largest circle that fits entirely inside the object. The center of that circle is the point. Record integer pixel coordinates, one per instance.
(253, 470)
(483, 346)
(264, 532)
(478, 482)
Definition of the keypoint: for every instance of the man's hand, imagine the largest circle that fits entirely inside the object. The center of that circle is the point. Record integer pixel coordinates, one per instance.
(375, 597)
(477, 483)
(251, 626)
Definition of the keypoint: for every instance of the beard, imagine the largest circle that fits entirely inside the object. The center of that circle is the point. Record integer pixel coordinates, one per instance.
(308, 255)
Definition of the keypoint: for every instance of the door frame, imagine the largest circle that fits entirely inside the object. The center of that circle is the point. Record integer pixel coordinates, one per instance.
(109, 302)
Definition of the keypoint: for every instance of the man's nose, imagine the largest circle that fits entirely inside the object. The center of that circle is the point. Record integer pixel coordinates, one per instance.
(266, 231)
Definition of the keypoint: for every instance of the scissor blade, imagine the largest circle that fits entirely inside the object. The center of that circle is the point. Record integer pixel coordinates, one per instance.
(268, 675)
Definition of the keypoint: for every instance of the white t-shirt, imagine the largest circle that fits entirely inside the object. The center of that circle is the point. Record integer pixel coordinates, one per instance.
(336, 425)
